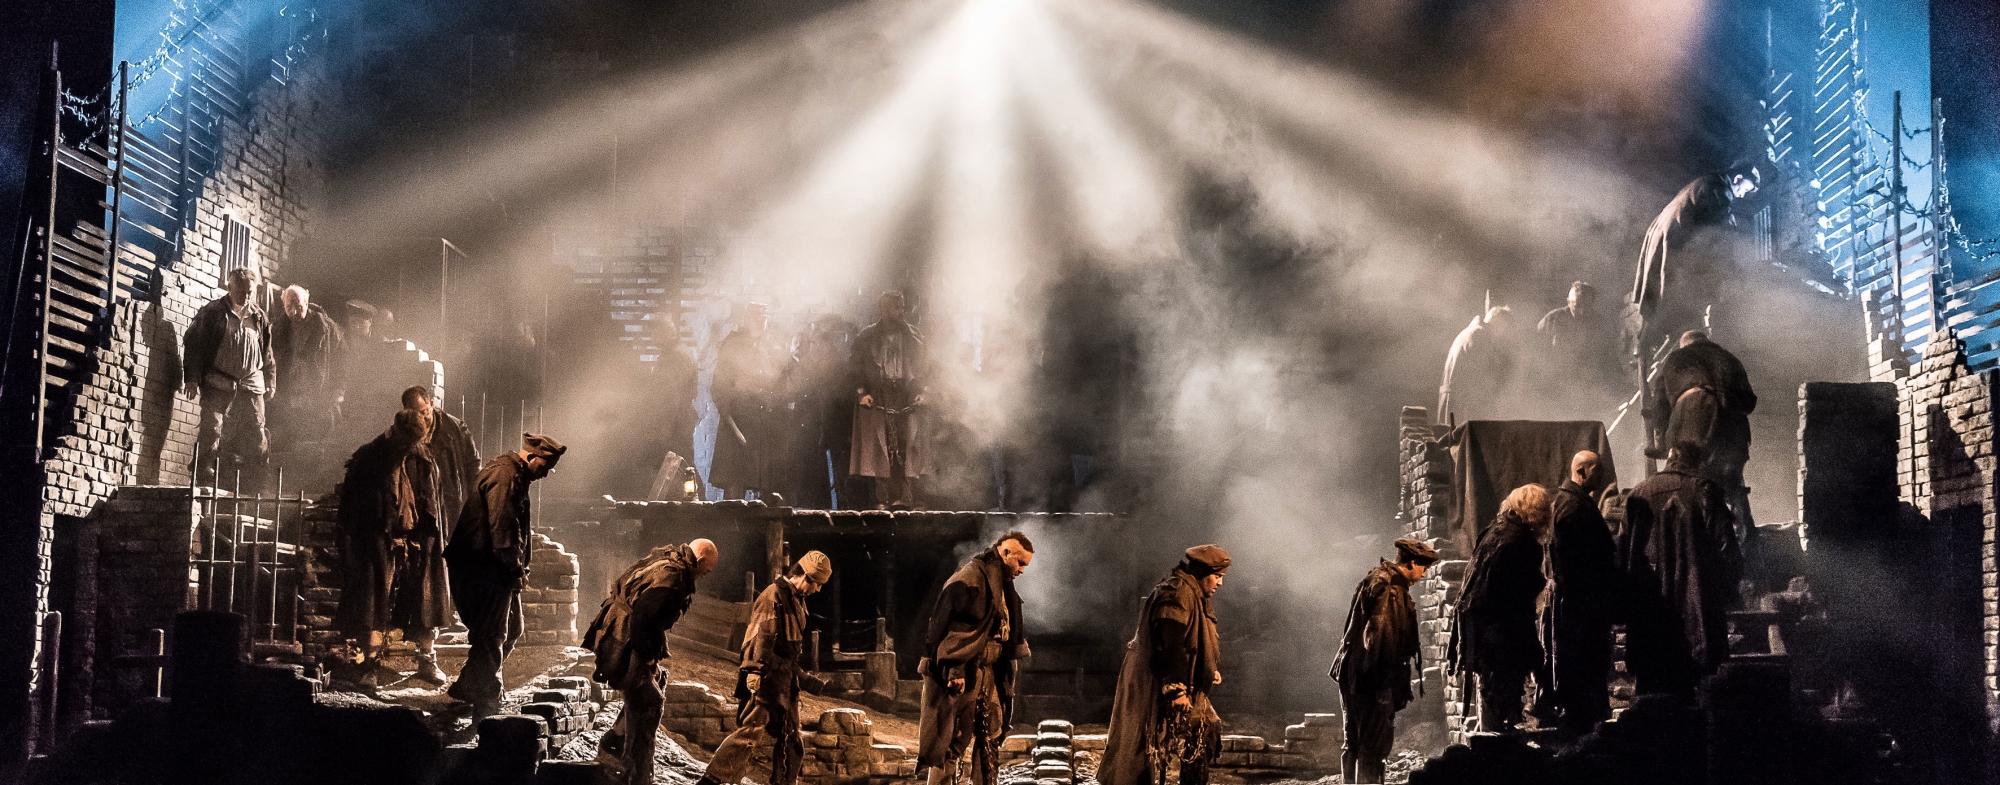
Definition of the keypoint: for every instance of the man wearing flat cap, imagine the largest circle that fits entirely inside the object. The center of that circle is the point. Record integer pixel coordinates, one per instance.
(1161, 714)
(488, 561)
(770, 677)
(1374, 666)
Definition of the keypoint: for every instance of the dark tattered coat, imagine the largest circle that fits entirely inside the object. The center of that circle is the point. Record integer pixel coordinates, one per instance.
(1381, 640)
(1494, 631)
(1678, 549)
(367, 517)
(975, 624)
(1176, 643)
(630, 632)
(493, 529)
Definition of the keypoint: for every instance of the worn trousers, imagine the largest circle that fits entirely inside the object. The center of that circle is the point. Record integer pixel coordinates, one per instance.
(638, 727)
(490, 606)
(976, 723)
(758, 719)
(238, 414)
(1370, 719)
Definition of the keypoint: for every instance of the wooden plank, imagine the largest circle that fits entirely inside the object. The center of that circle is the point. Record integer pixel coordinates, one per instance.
(83, 164)
(66, 289)
(67, 323)
(65, 343)
(77, 275)
(60, 308)
(50, 359)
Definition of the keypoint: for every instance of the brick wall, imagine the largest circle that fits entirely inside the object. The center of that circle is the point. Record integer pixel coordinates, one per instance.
(1426, 502)
(1946, 469)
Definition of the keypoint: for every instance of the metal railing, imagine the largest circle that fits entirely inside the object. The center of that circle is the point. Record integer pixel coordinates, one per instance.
(251, 564)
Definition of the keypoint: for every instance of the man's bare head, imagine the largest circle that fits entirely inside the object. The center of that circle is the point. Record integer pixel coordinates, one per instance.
(891, 306)
(1583, 470)
(1016, 551)
(296, 298)
(705, 556)
(241, 281)
(1582, 297)
(1692, 337)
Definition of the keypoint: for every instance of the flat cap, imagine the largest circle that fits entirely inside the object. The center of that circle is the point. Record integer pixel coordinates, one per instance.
(537, 444)
(816, 566)
(1210, 556)
(1416, 552)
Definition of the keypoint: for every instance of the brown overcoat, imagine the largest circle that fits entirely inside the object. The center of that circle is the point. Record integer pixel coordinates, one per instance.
(630, 632)
(1154, 661)
(1381, 639)
(370, 596)
(976, 624)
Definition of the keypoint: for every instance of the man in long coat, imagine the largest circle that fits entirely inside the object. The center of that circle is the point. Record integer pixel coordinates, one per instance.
(629, 638)
(1161, 713)
(975, 642)
(770, 677)
(748, 437)
(891, 365)
(1373, 667)
(488, 555)
(1582, 573)
(391, 548)
(1663, 263)
(451, 443)
(1494, 636)
(1702, 395)
(1679, 554)
(308, 350)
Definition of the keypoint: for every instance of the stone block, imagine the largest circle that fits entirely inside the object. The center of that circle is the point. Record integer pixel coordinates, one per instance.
(1240, 743)
(1054, 772)
(1052, 740)
(825, 740)
(1323, 720)
(1020, 743)
(557, 696)
(1059, 754)
(1306, 732)
(1056, 726)
(1094, 742)
(1233, 760)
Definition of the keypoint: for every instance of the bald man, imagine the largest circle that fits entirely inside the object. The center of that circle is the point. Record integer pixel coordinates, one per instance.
(1576, 621)
(630, 638)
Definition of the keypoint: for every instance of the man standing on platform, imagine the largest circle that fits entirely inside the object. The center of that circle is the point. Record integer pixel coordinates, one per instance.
(230, 366)
(630, 640)
(1373, 666)
(1582, 573)
(308, 351)
(488, 556)
(974, 645)
(890, 364)
(1161, 714)
(769, 680)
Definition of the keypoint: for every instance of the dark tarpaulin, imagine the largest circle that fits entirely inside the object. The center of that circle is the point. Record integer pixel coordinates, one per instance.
(1491, 457)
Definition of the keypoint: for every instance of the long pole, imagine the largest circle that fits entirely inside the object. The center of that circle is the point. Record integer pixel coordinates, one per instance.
(117, 198)
(1896, 217)
(444, 293)
(41, 384)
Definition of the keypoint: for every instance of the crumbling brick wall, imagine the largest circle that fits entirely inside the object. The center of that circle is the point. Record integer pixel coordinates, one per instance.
(1425, 506)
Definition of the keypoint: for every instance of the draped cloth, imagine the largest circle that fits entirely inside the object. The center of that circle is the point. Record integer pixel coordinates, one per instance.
(1492, 457)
